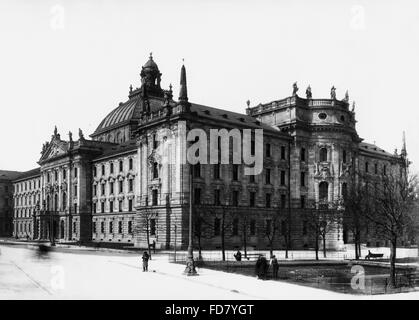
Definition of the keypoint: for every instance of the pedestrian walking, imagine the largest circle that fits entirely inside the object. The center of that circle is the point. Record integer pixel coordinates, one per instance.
(145, 259)
(275, 267)
(261, 267)
(238, 255)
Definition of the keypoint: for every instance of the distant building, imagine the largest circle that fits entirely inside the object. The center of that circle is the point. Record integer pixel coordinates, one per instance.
(100, 189)
(6, 202)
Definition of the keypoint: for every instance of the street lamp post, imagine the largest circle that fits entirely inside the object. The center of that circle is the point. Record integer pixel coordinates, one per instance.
(190, 263)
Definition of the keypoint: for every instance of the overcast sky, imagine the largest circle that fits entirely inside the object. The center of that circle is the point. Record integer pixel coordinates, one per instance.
(69, 63)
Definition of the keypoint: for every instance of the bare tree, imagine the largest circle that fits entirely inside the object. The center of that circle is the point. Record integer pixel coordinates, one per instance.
(273, 227)
(355, 206)
(321, 219)
(216, 221)
(146, 215)
(393, 211)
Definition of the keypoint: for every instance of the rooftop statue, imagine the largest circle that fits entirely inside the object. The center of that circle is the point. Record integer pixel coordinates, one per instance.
(308, 92)
(353, 106)
(81, 135)
(70, 136)
(333, 93)
(294, 89)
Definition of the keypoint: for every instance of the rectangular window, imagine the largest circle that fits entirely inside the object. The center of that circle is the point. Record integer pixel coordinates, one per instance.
(282, 178)
(282, 153)
(119, 227)
(252, 178)
(268, 150)
(235, 198)
(217, 226)
(155, 142)
(303, 202)
(376, 168)
(103, 169)
(121, 186)
(110, 226)
(111, 187)
(75, 190)
(197, 170)
(95, 190)
(268, 176)
(102, 227)
(303, 154)
(366, 166)
(110, 206)
(303, 179)
(283, 201)
(94, 171)
(217, 197)
(252, 227)
(344, 156)
(94, 227)
(64, 173)
(268, 200)
(235, 172)
(130, 185)
(216, 171)
(130, 163)
(154, 195)
(252, 147)
(75, 208)
(197, 196)
(252, 198)
(121, 166)
(268, 227)
(120, 205)
(94, 207)
(129, 227)
(74, 227)
(152, 227)
(111, 168)
(155, 170)
(102, 207)
(103, 189)
(75, 172)
(283, 227)
(235, 227)
(130, 205)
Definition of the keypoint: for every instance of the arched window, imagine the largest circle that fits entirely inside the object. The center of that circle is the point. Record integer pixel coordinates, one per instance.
(323, 191)
(323, 154)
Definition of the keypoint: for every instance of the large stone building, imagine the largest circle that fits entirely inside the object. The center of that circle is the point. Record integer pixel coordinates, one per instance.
(116, 186)
(6, 201)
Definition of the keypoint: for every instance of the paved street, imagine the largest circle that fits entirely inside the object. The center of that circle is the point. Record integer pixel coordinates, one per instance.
(75, 274)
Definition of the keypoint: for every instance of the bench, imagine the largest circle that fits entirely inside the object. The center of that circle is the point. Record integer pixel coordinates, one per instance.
(252, 256)
(373, 255)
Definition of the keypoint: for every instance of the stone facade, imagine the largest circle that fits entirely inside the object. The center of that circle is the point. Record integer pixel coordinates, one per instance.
(117, 185)
(6, 201)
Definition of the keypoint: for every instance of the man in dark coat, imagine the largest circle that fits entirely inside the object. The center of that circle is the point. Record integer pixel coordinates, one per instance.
(145, 258)
(275, 267)
(261, 267)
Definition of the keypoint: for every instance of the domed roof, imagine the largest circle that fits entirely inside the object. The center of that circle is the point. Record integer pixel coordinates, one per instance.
(150, 64)
(126, 113)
